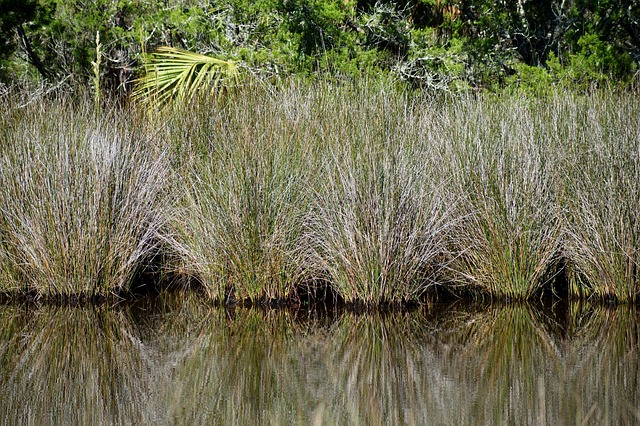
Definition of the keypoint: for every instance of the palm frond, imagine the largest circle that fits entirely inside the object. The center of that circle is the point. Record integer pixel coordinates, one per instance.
(173, 74)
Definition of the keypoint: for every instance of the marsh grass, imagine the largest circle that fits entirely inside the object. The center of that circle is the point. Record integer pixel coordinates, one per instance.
(81, 201)
(245, 197)
(502, 167)
(362, 190)
(379, 218)
(602, 203)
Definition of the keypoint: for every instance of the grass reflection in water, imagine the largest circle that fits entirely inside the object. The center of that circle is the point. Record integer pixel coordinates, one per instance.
(181, 361)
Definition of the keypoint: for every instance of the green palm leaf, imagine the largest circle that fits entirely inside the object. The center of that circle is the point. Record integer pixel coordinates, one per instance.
(173, 74)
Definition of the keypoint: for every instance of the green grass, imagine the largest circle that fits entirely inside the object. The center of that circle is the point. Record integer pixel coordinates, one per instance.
(267, 193)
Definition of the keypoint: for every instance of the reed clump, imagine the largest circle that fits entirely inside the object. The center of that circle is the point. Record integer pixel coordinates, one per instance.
(82, 200)
(502, 168)
(601, 177)
(379, 218)
(247, 173)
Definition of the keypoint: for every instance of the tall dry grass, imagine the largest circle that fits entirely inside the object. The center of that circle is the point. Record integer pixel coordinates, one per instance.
(246, 177)
(502, 167)
(82, 200)
(380, 216)
(374, 192)
(601, 177)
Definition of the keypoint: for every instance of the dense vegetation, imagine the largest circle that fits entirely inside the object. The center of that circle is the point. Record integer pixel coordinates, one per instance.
(367, 193)
(440, 44)
(354, 150)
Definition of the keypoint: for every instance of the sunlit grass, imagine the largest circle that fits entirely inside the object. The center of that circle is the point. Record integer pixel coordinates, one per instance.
(82, 200)
(377, 194)
(246, 186)
(380, 216)
(502, 167)
(602, 202)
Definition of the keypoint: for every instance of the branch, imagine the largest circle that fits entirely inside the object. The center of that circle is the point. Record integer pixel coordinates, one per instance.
(33, 58)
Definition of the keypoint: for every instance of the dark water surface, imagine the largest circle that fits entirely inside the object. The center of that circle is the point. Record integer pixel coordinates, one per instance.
(178, 361)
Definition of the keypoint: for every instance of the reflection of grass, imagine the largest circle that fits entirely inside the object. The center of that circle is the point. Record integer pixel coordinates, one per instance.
(587, 369)
(70, 366)
(602, 383)
(182, 361)
(237, 371)
(375, 367)
(514, 353)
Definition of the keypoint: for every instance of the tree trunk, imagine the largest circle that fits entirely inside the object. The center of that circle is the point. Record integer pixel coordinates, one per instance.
(33, 58)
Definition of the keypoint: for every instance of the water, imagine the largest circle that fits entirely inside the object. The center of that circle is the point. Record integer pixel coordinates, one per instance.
(178, 360)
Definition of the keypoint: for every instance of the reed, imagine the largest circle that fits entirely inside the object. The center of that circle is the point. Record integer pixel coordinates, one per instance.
(82, 200)
(267, 192)
(379, 219)
(246, 176)
(602, 202)
(501, 162)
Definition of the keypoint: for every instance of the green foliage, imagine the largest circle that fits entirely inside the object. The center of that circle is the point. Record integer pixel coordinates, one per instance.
(615, 23)
(531, 80)
(180, 75)
(442, 45)
(315, 24)
(434, 64)
(594, 64)
(13, 14)
(598, 61)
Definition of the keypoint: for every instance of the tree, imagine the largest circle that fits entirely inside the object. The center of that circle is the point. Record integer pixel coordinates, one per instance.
(17, 13)
(614, 22)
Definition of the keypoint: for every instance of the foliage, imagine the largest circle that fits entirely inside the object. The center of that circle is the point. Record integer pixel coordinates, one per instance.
(438, 44)
(13, 14)
(176, 74)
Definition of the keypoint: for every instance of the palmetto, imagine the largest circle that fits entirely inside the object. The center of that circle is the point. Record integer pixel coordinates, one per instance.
(172, 74)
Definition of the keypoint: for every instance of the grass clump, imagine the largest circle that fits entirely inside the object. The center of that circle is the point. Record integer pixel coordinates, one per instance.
(510, 236)
(246, 192)
(602, 202)
(82, 201)
(379, 219)
(370, 193)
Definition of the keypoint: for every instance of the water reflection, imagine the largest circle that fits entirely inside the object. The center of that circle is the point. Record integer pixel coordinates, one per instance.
(177, 360)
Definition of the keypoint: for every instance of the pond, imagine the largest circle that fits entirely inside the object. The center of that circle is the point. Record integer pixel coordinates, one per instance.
(174, 359)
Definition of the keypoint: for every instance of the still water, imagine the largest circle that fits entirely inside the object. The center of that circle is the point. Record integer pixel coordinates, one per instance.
(177, 360)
